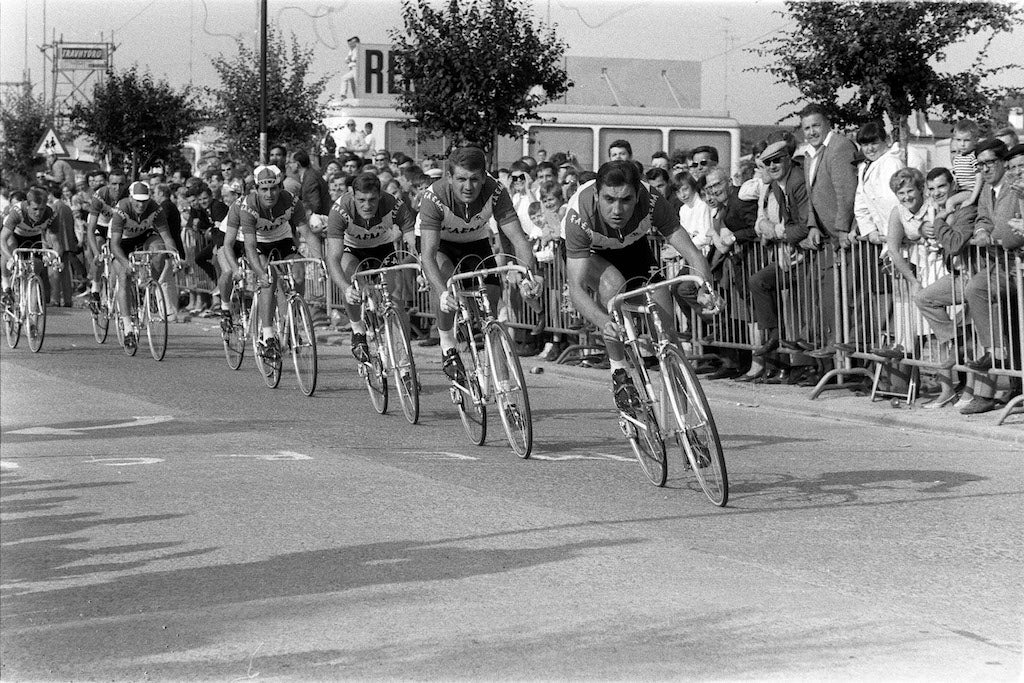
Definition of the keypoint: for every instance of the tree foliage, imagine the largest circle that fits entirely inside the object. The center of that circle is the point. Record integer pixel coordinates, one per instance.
(137, 116)
(293, 109)
(861, 60)
(476, 70)
(24, 121)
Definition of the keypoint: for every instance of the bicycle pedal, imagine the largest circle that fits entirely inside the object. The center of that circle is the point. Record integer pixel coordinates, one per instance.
(627, 427)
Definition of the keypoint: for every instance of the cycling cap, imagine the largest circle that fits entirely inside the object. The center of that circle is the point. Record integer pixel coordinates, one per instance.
(267, 176)
(139, 190)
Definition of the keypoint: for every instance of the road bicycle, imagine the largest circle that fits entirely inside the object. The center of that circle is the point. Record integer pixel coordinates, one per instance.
(101, 311)
(147, 306)
(293, 325)
(679, 413)
(387, 337)
(237, 332)
(494, 376)
(28, 305)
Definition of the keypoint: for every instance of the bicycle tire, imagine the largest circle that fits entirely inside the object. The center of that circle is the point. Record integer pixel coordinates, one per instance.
(12, 315)
(403, 365)
(234, 341)
(373, 371)
(510, 394)
(645, 436)
(117, 316)
(155, 320)
(101, 318)
(302, 340)
(695, 431)
(270, 371)
(35, 314)
(474, 417)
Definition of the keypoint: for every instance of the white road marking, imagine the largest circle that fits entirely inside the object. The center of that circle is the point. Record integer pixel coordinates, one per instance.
(4, 465)
(76, 431)
(438, 455)
(580, 456)
(280, 455)
(124, 462)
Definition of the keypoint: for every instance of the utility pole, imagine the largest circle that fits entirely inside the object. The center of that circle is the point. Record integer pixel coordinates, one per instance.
(263, 82)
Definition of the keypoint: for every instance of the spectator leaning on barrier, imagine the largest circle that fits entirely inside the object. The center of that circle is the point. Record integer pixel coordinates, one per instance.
(874, 200)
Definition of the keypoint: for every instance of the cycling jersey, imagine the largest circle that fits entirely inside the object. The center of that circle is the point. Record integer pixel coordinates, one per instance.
(22, 226)
(233, 220)
(441, 211)
(344, 222)
(275, 224)
(103, 203)
(586, 232)
(134, 225)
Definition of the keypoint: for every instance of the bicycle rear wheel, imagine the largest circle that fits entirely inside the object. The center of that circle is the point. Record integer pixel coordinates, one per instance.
(302, 341)
(641, 428)
(403, 366)
(101, 317)
(12, 315)
(470, 401)
(154, 317)
(234, 341)
(35, 314)
(695, 429)
(510, 394)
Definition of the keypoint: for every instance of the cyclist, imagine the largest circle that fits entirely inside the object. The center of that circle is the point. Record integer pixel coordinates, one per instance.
(232, 248)
(271, 220)
(361, 225)
(606, 227)
(455, 214)
(101, 210)
(137, 224)
(25, 227)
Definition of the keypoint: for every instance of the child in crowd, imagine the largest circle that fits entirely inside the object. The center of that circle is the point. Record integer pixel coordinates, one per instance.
(547, 216)
(965, 164)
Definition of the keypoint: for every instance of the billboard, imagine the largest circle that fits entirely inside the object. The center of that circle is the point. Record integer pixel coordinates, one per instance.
(87, 56)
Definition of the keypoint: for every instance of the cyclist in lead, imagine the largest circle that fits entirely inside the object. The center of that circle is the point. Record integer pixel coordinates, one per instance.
(271, 220)
(137, 224)
(361, 225)
(455, 214)
(25, 228)
(606, 227)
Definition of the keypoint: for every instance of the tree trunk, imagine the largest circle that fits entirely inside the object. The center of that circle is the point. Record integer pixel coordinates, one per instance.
(902, 132)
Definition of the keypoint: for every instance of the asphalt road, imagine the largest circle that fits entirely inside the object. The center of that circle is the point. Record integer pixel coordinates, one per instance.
(176, 520)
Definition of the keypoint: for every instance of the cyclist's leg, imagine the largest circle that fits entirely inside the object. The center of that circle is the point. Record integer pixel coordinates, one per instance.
(5, 273)
(350, 259)
(267, 295)
(224, 282)
(445, 320)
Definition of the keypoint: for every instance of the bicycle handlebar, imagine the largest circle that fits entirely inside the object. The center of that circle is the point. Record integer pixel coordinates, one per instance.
(388, 269)
(27, 252)
(617, 301)
(489, 271)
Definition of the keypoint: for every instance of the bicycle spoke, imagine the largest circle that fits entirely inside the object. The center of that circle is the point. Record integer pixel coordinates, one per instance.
(403, 366)
(302, 341)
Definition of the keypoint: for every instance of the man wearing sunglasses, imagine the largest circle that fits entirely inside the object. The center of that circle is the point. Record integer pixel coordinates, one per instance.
(702, 159)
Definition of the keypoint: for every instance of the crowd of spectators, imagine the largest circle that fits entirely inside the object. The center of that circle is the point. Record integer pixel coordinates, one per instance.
(820, 200)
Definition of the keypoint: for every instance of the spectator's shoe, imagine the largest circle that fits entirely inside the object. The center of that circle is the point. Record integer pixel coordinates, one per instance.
(227, 325)
(823, 352)
(725, 372)
(272, 350)
(890, 352)
(627, 398)
(983, 364)
(978, 405)
(780, 376)
(360, 349)
(939, 402)
(798, 345)
(451, 364)
(764, 349)
(846, 348)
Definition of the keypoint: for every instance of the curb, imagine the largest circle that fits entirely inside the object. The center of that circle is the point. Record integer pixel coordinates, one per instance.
(832, 405)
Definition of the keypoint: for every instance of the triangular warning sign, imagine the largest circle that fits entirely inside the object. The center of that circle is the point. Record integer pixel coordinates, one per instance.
(51, 144)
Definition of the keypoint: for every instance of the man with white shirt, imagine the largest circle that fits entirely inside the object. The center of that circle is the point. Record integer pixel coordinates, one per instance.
(369, 138)
(352, 139)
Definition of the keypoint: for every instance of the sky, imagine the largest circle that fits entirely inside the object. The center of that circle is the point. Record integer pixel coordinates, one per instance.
(178, 38)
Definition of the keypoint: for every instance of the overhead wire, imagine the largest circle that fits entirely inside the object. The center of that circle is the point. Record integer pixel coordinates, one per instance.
(604, 21)
(136, 15)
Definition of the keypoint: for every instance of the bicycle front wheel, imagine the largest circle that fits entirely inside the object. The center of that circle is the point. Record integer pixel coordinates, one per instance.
(234, 340)
(470, 400)
(101, 316)
(641, 426)
(154, 317)
(403, 366)
(510, 391)
(35, 314)
(373, 369)
(302, 340)
(695, 430)
(12, 316)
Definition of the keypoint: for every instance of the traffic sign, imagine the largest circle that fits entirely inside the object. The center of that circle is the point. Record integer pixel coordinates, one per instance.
(51, 144)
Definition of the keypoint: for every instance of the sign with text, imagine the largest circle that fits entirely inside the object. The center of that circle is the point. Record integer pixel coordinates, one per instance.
(377, 73)
(89, 56)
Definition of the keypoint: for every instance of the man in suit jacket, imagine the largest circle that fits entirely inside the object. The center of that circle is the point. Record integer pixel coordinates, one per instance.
(831, 173)
(789, 189)
(998, 203)
(315, 195)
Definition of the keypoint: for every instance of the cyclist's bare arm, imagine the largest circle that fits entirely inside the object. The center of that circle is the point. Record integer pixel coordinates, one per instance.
(335, 253)
(430, 242)
(524, 252)
(577, 270)
(230, 236)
